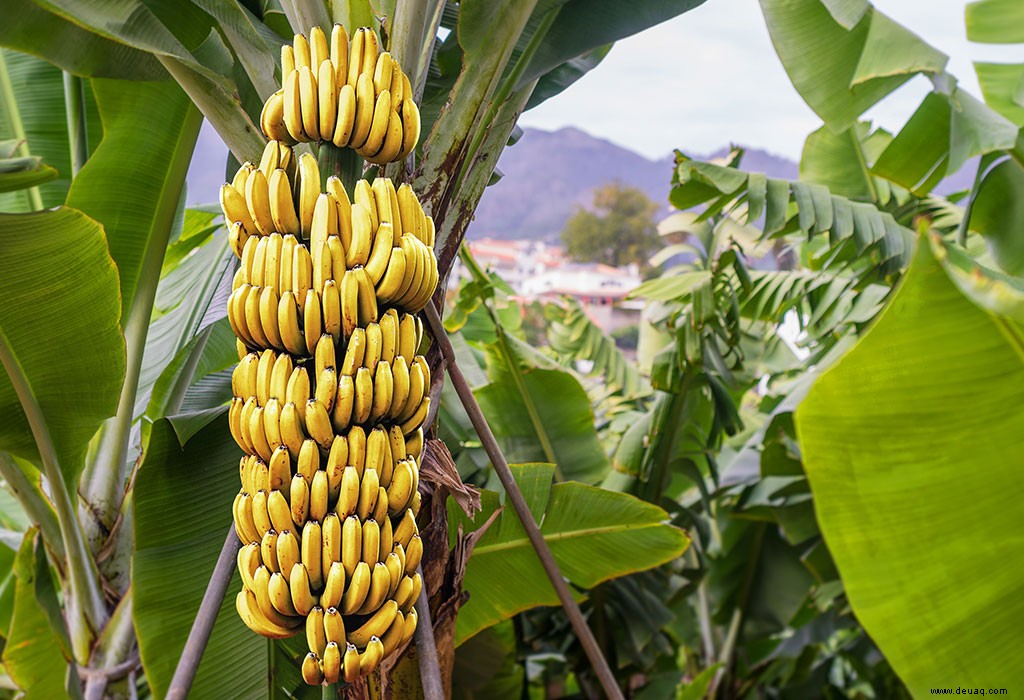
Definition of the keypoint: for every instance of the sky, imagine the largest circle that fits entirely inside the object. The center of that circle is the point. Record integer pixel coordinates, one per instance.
(710, 77)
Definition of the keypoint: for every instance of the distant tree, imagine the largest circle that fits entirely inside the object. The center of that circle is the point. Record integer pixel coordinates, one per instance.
(620, 231)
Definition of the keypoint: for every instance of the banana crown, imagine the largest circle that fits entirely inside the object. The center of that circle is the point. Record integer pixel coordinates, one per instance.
(346, 91)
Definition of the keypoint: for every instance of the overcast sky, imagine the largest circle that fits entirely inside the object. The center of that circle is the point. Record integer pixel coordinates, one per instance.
(711, 77)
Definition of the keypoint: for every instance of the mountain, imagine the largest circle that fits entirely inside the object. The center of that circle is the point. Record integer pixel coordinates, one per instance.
(549, 174)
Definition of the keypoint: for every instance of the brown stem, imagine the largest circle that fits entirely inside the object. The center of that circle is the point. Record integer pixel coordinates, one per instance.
(501, 468)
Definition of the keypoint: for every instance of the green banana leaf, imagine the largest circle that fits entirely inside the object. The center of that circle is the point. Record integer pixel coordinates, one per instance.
(840, 72)
(842, 162)
(24, 172)
(995, 21)
(39, 103)
(60, 291)
(911, 444)
(1000, 84)
(594, 534)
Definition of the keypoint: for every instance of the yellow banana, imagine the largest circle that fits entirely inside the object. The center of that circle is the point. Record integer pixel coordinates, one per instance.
(376, 448)
(334, 589)
(302, 271)
(392, 639)
(397, 85)
(318, 49)
(357, 448)
(401, 488)
(272, 426)
(282, 207)
(281, 595)
(337, 459)
(416, 420)
(389, 335)
(403, 593)
(352, 546)
(331, 663)
(268, 305)
(363, 194)
(391, 149)
(318, 423)
(327, 388)
(279, 376)
(287, 59)
(377, 262)
(298, 390)
(406, 529)
(291, 429)
(334, 623)
(330, 530)
(412, 213)
(394, 277)
(243, 377)
(376, 625)
(260, 516)
(396, 571)
(280, 514)
(248, 610)
(298, 501)
(380, 583)
(358, 253)
(312, 674)
(324, 223)
(302, 595)
(309, 191)
(339, 55)
(371, 539)
(312, 320)
(337, 190)
(235, 208)
(334, 311)
(380, 514)
(308, 99)
(325, 355)
(368, 486)
(371, 49)
(400, 386)
(348, 497)
(414, 444)
(272, 117)
(355, 352)
(279, 471)
(368, 310)
(414, 553)
(417, 586)
(288, 325)
(355, 58)
(374, 341)
(363, 396)
(358, 588)
(237, 238)
(293, 107)
(245, 527)
(410, 625)
(288, 244)
(312, 550)
(268, 550)
(378, 125)
(411, 127)
(383, 72)
(396, 442)
(365, 103)
(302, 52)
(318, 496)
(348, 300)
(309, 460)
(289, 552)
(341, 416)
(350, 664)
(264, 370)
(417, 390)
(248, 560)
(383, 392)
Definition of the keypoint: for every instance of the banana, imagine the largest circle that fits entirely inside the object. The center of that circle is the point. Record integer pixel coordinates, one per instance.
(244, 418)
(374, 343)
(397, 85)
(299, 502)
(282, 207)
(288, 244)
(355, 58)
(392, 639)
(429, 231)
(268, 550)
(330, 531)
(367, 298)
(318, 423)
(316, 638)
(355, 352)
(412, 213)
(322, 265)
(331, 663)
(337, 190)
(309, 102)
(302, 595)
(334, 623)
(414, 422)
(387, 468)
(417, 586)
(264, 371)
(376, 449)
(352, 546)
(378, 125)
(236, 314)
(243, 377)
(309, 191)
(260, 516)
(411, 127)
(280, 514)
(357, 448)
(371, 539)
(309, 461)
(240, 347)
(287, 59)
(396, 441)
(380, 255)
(293, 107)
(312, 550)
(396, 570)
(288, 325)
(406, 529)
(408, 337)
(403, 593)
(280, 594)
(272, 426)
(257, 474)
(245, 527)
(334, 589)
(410, 625)
(327, 388)
(348, 497)
(417, 390)
(248, 610)
(363, 396)
(242, 176)
(383, 392)
(334, 311)
(346, 119)
(272, 259)
(302, 53)
(365, 103)
(358, 253)
(327, 100)
(318, 48)
(252, 316)
(348, 302)
(324, 223)
(236, 239)
(350, 664)
(258, 434)
(268, 306)
(393, 279)
(414, 553)
(302, 271)
(311, 671)
(417, 501)
(368, 486)
(291, 429)
(380, 514)
(235, 208)
(376, 625)
(248, 560)
(383, 72)
(389, 336)
(400, 490)
(414, 444)
(318, 496)
(312, 321)
(339, 54)
(279, 376)
(269, 159)
(371, 50)
(297, 390)
(272, 117)
(380, 583)
(363, 194)
(401, 384)
(391, 149)
(289, 552)
(358, 589)
(341, 416)
(337, 459)
(280, 470)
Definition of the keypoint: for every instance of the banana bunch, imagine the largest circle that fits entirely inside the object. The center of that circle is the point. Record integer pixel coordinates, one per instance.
(349, 93)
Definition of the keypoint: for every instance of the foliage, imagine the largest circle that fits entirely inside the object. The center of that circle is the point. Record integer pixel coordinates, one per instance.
(620, 230)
